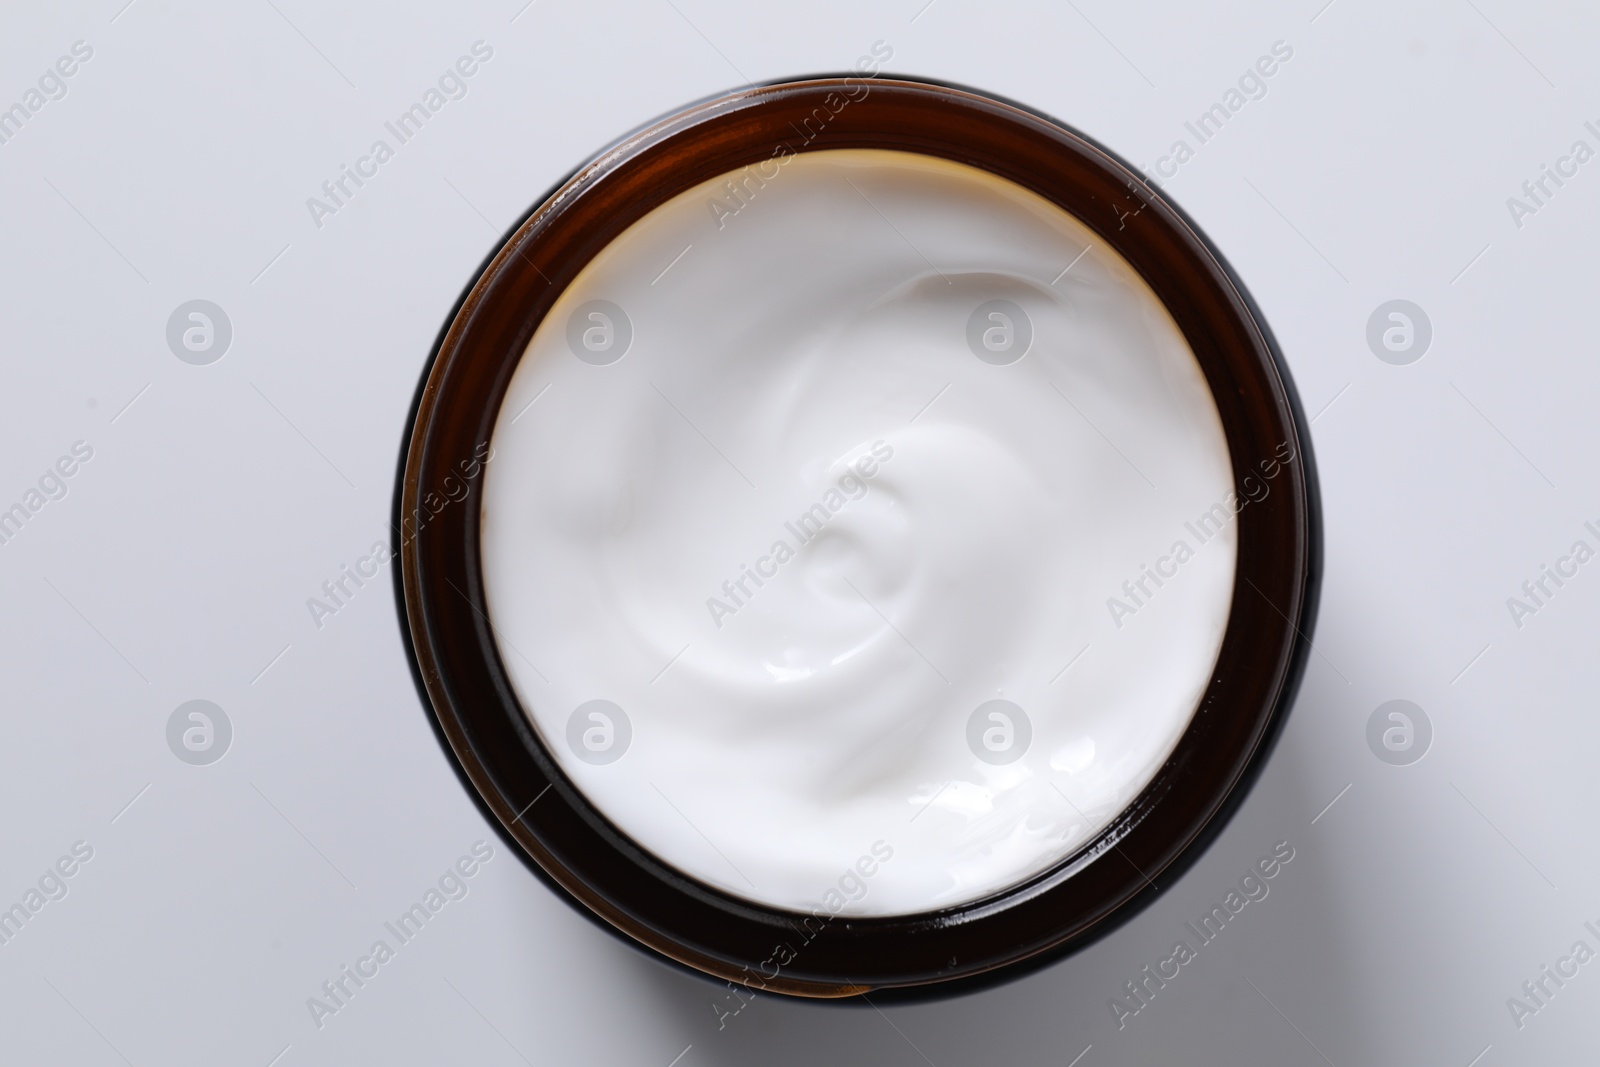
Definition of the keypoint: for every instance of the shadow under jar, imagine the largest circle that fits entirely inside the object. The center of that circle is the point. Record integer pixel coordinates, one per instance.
(1047, 515)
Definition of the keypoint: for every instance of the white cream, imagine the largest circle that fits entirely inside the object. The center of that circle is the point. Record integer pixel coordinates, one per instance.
(780, 730)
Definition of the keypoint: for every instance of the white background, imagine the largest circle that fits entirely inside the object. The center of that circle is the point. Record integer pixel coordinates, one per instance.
(178, 566)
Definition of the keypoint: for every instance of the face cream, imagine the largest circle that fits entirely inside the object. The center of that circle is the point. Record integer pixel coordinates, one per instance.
(854, 535)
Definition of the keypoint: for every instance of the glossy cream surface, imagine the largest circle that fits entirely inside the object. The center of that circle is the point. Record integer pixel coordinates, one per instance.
(802, 535)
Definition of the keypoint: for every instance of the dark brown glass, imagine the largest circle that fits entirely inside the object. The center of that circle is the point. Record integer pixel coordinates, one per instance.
(575, 847)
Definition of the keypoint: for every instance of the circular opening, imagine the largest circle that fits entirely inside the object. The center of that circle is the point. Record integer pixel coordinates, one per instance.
(808, 772)
(828, 543)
